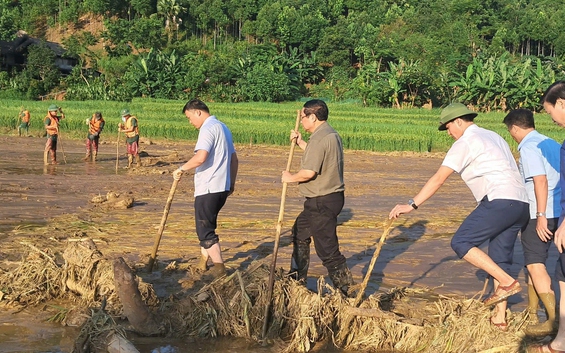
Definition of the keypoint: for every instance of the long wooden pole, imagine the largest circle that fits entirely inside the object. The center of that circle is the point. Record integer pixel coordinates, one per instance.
(278, 235)
(361, 291)
(162, 225)
(60, 140)
(117, 151)
(359, 296)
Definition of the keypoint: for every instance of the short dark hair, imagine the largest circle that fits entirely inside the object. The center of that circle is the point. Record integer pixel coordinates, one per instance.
(553, 93)
(522, 118)
(317, 107)
(98, 115)
(195, 104)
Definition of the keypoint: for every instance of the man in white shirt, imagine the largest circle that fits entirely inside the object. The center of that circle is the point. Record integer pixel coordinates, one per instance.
(215, 163)
(485, 163)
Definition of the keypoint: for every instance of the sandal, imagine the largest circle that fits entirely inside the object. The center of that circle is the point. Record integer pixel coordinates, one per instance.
(502, 326)
(546, 348)
(503, 292)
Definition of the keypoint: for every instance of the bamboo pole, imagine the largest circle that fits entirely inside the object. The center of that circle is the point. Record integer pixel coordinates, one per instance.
(117, 151)
(361, 291)
(278, 235)
(60, 140)
(162, 225)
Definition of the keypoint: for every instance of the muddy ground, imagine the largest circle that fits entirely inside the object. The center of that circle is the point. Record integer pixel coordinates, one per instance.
(46, 204)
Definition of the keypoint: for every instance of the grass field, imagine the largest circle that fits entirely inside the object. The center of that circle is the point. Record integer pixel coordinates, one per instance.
(372, 129)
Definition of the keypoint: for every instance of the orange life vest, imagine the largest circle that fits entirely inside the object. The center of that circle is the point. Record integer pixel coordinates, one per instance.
(25, 116)
(128, 126)
(53, 127)
(94, 125)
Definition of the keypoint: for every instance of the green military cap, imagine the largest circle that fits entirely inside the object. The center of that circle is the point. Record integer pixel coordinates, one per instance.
(53, 108)
(125, 112)
(452, 112)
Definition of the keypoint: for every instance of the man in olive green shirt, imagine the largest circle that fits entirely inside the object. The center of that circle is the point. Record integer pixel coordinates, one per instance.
(321, 182)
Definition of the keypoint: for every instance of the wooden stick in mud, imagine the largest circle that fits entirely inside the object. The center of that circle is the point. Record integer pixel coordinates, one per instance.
(278, 235)
(359, 296)
(60, 140)
(162, 226)
(117, 151)
(361, 291)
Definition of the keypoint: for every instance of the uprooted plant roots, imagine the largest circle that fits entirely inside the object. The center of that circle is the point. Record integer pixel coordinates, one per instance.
(403, 319)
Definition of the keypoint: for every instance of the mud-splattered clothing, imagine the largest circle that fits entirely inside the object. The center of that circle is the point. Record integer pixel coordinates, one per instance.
(95, 127)
(132, 137)
(52, 127)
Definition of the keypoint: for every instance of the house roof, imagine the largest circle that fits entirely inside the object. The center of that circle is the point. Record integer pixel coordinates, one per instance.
(23, 40)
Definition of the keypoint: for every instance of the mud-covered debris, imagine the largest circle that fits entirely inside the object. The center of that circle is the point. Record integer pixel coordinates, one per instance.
(77, 316)
(111, 196)
(98, 199)
(113, 200)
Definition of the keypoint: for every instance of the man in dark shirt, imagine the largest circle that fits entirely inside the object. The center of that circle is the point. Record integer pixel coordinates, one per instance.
(320, 180)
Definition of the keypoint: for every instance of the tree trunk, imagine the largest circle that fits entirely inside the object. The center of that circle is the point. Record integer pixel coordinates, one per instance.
(135, 309)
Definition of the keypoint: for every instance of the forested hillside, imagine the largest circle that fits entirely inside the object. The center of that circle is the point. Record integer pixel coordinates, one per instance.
(495, 55)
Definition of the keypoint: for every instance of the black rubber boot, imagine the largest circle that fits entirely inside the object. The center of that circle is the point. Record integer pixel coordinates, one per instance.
(342, 279)
(300, 260)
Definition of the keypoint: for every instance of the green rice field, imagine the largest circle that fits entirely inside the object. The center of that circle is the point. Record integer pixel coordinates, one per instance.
(372, 129)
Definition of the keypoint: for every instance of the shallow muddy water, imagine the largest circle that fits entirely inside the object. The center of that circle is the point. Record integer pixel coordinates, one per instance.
(417, 251)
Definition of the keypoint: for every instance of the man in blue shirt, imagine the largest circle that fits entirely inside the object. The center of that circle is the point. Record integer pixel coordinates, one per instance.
(539, 166)
(553, 101)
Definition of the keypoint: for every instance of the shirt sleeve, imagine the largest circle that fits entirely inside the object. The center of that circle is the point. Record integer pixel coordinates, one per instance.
(532, 162)
(458, 157)
(133, 122)
(314, 156)
(205, 140)
(47, 121)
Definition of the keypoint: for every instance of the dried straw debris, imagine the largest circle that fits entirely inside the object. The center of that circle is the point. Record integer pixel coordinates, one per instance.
(404, 320)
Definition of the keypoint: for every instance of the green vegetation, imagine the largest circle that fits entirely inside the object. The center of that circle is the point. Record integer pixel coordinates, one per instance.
(361, 128)
(494, 55)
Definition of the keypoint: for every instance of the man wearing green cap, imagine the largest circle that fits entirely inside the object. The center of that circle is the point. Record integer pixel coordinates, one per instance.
(51, 123)
(130, 128)
(486, 164)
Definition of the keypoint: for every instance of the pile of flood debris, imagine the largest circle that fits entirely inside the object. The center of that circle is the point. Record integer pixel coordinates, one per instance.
(104, 292)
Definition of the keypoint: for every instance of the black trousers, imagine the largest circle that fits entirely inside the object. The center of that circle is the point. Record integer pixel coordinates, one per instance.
(206, 209)
(318, 220)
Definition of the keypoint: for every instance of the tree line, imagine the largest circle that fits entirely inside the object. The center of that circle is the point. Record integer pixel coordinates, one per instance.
(493, 54)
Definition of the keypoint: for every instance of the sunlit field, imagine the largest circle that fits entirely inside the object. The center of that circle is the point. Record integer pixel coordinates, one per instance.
(372, 129)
